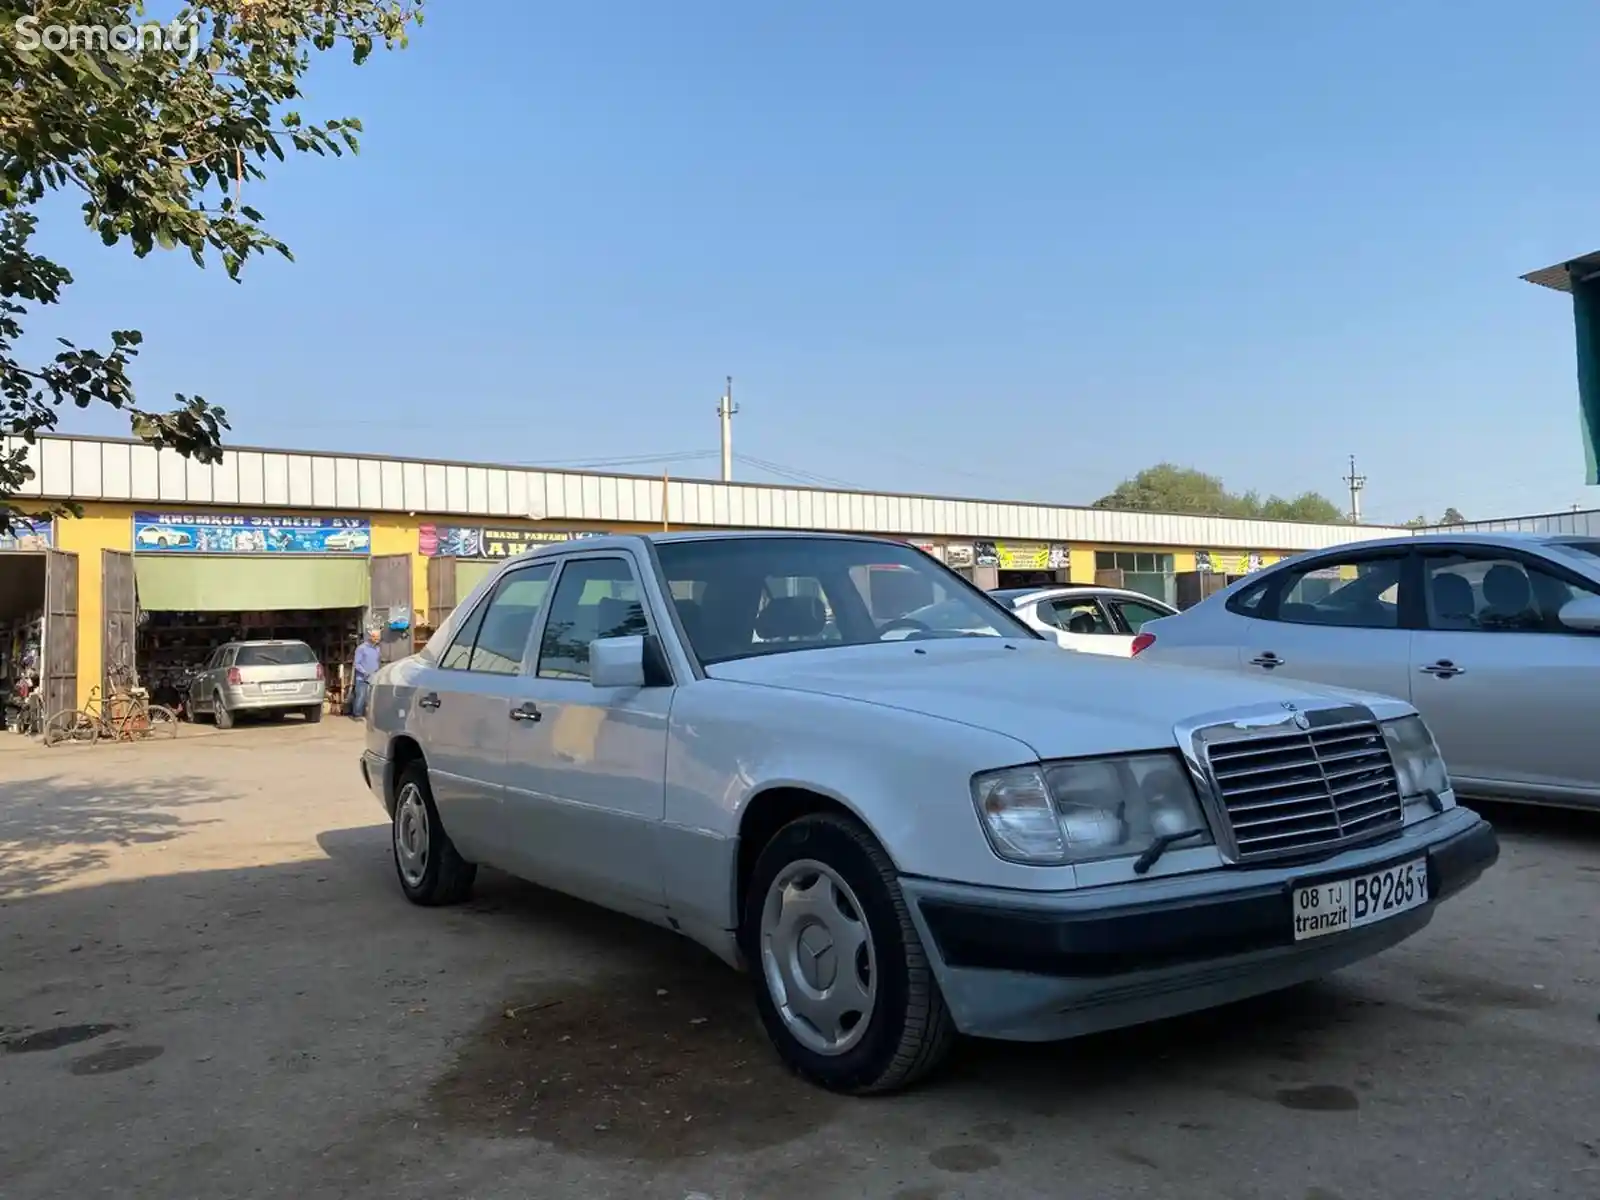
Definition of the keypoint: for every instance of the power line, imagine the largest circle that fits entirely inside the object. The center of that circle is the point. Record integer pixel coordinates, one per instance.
(796, 474)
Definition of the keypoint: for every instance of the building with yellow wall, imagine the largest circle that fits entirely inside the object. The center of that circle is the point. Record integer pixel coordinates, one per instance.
(167, 558)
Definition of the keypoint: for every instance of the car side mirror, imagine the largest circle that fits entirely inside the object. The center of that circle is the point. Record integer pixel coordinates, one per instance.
(617, 662)
(1582, 614)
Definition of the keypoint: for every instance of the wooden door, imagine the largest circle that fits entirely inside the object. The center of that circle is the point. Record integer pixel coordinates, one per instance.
(441, 590)
(119, 609)
(391, 593)
(58, 674)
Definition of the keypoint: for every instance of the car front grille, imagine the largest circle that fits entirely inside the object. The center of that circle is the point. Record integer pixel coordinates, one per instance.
(1288, 792)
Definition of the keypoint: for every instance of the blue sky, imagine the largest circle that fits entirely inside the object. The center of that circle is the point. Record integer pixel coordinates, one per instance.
(1013, 251)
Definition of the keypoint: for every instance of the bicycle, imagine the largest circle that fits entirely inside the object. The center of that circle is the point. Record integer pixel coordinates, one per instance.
(129, 717)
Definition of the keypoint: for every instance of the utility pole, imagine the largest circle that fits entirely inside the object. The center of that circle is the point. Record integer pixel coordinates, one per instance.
(725, 410)
(1356, 482)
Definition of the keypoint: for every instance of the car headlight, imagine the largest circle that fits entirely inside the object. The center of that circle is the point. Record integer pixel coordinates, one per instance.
(1088, 809)
(1424, 782)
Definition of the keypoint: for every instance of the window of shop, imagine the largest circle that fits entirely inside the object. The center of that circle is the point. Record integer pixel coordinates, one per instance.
(1140, 571)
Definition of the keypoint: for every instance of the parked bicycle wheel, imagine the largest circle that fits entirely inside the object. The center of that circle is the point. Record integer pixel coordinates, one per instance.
(71, 725)
(163, 722)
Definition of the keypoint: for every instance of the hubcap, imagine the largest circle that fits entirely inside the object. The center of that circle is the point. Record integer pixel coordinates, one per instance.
(818, 958)
(411, 835)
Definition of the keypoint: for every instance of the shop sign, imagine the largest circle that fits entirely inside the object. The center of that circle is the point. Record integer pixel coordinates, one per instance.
(477, 541)
(958, 554)
(27, 534)
(1212, 561)
(986, 554)
(931, 549)
(1024, 556)
(212, 533)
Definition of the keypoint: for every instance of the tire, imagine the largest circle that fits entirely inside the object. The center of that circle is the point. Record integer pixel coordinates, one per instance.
(313, 713)
(162, 721)
(439, 876)
(220, 716)
(70, 725)
(907, 1031)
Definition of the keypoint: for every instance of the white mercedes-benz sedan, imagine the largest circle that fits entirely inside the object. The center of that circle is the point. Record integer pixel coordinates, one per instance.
(904, 829)
(1494, 637)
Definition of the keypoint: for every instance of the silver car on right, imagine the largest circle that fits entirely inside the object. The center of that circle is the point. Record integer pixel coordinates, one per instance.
(1493, 637)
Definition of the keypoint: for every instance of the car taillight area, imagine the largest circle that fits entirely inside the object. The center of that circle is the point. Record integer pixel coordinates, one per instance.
(319, 671)
(234, 678)
(1142, 642)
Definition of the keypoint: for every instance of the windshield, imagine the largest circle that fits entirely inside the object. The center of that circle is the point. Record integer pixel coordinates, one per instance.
(289, 654)
(1009, 596)
(739, 597)
(1588, 546)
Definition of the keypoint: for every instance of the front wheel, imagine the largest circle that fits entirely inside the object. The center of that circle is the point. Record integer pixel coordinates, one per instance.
(431, 871)
(162, 722)
(842, 982)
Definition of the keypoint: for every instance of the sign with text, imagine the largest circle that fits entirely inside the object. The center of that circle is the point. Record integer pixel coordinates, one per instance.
(228, 533)
(26, 534)
(1215, 562)
(479, 541)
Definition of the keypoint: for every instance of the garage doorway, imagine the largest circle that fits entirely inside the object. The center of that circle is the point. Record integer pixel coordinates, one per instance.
(39, 626)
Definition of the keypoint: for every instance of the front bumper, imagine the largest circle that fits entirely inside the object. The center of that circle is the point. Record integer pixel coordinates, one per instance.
(1038, 968)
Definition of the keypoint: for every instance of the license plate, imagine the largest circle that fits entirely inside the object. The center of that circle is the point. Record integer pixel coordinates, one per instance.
(1344, 904)
(280, 687)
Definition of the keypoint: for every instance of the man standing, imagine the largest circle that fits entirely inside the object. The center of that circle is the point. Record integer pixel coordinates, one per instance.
(366, 666)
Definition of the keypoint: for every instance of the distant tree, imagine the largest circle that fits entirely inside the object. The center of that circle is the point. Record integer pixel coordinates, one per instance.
(1167, 487)
(158, 135)
(1416, 522)
(1452, 516)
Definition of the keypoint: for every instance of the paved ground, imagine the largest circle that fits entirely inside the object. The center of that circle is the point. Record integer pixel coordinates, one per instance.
(210, 986)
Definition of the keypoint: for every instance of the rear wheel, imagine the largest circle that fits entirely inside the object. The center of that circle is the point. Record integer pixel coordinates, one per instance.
(220, 713)
(841, 980)
(313, 713)
(431, 872)
(73, 725)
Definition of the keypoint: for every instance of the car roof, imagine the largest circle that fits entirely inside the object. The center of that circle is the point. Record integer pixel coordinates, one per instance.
(1477, 537)
(269, 642)
(615, 541)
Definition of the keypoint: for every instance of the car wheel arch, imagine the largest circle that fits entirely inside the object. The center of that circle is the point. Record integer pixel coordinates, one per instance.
(772, 808)
(404, 750)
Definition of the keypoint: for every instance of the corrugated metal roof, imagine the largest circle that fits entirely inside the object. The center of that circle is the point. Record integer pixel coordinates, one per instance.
(1559, 276)
(115, 469)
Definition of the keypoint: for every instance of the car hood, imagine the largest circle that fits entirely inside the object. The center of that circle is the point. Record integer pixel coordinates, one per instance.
(1059, 704)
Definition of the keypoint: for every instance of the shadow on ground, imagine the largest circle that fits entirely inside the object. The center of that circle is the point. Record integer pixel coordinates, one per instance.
(527, 1044)
(55, 828)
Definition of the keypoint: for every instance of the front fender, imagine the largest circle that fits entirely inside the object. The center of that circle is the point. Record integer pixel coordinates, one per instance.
(905, 775)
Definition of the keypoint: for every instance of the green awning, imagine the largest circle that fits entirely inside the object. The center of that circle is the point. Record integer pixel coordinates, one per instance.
(181, 583)
(469, 574)
(1581, 277)
(1586, 320)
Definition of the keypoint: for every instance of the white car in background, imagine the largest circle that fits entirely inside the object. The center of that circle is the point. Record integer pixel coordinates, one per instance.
(1493, 637)
(1095, 620)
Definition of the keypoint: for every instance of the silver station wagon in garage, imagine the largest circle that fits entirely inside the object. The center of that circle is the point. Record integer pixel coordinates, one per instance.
(1495, 637)
(903, 829)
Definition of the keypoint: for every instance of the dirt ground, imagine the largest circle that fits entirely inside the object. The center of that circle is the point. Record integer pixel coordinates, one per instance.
(211, 987)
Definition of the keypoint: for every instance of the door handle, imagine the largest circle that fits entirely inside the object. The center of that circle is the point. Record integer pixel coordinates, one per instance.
(528, 711)
(431, 700)
(1443, 669)
(1267, 659)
